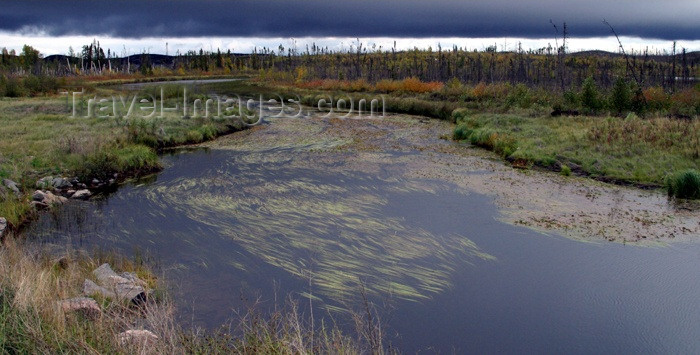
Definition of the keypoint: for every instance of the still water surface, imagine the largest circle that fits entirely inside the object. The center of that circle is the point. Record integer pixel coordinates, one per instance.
(229, 226)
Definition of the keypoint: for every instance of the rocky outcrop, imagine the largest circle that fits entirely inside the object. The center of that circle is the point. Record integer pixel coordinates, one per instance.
(86, 306)
(126, 287)
(62, 188)
(44, 199)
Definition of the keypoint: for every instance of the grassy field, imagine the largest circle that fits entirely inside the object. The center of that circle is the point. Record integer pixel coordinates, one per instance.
(625, 150)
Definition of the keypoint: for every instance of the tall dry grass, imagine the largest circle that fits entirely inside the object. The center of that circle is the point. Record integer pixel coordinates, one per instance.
(31, 320)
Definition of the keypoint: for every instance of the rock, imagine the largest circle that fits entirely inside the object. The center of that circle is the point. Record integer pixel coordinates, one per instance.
(3, 226)
(51, 199)
(95, 182)
(90, 289)
(69, 193)
(81, 194)
(84, 305)
(45, 183)
(123, 288)
(47, 198)
(38, 196)
(12, 186)
(111, 182)
(134, 279)
(60, 183)
(140, 337)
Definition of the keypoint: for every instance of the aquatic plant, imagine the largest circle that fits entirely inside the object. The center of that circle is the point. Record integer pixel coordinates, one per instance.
(334, 227)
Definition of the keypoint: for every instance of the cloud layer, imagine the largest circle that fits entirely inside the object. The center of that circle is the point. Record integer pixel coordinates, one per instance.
(352, 18)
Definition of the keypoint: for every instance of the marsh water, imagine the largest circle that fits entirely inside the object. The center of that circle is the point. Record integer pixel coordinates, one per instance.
(303, 208)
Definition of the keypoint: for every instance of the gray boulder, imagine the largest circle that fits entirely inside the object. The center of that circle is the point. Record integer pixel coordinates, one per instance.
(47, 198)
(61, 183)
(137, 337)
(12, 186)
(128, 289)
(45, 183)
(81, 194)
(91, 289)
(3, 226)
(83, 305)
(38, 196)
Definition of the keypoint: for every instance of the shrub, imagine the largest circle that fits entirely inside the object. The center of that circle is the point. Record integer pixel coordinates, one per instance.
(141, 131)
(686, 103)
(684, 184)
(656, 98)
(15, 88)
(195, 136)
(388, 86)
(414, 85)
(135, 159)
(620, 97)
(590, 97)
(565, 170)
(32, 84)
(492, 140)
(3, 85)
(461, 132)
(520, 96)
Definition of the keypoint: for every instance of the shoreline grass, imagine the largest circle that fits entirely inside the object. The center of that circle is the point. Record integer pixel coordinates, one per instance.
(641, 152)
(33, 282)
(39, 137)
(530, 127)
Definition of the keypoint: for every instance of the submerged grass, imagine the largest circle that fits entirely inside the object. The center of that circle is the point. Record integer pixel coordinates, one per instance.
(329, 227)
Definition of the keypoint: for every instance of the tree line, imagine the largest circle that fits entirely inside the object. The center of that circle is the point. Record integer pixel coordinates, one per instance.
(550, 67)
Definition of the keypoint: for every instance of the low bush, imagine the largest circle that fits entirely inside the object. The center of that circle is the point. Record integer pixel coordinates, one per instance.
(135, 159)
(461, 132)
(565, 170)
(590, 97)
(684, 184)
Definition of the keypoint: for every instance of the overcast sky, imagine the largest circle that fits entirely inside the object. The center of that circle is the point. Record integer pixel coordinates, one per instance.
(240, 25)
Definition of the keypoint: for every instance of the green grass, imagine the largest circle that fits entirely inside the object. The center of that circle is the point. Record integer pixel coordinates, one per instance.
(625, 150)
(684, 184)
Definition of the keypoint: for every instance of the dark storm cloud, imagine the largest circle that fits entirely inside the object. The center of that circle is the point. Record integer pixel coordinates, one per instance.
(353, 18)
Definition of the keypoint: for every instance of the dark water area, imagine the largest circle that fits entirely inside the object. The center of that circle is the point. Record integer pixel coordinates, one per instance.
(227, 228)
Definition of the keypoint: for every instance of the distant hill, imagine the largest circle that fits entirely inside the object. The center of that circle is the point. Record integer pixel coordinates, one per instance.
(598, 53)
(166, 60)
(135, 59)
